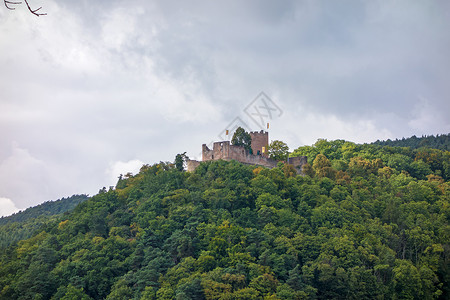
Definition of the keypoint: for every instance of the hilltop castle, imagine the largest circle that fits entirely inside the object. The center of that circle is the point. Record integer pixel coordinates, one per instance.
(260, 141)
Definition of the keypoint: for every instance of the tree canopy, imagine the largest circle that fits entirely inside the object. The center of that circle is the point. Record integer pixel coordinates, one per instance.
(242, 138)
(22, 225)
(366, 222)
(180, 161)
(441, 142)
(278, 150)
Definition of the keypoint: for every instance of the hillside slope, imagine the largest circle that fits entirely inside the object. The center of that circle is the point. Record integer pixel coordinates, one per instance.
(23, 224)
(365, 222)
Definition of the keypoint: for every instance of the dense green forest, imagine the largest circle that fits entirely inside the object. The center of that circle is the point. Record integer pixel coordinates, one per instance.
(23, 224)
(364, 222)
(441, 142)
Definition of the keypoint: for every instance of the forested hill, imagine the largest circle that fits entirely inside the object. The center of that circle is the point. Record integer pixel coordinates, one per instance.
(441, 142)
(48, 208)
(364, 222)
(23, 224)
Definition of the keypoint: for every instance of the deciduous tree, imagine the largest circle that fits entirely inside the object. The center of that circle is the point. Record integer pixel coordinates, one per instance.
(278, 150)
(242, 138)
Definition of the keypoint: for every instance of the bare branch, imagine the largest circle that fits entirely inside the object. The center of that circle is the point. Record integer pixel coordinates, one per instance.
(34, 12)
(11, 3)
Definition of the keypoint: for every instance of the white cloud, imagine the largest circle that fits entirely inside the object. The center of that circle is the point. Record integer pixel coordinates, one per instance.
(7, 207)
(305, 130)
(24, 178)
(119, 167)
(332, 127)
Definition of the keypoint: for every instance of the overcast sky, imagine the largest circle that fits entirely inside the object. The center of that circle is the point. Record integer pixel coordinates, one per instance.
(97, 88)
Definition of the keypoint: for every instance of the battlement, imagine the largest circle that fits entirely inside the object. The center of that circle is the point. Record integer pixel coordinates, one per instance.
(260, 142)
(225, 151)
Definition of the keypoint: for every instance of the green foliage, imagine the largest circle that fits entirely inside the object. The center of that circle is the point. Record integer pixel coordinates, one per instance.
(180, 161)
(72, 293)
(278, 150)
(242, 138)
(441, 142)
(24, 224)
(366, 222)
(48, 208)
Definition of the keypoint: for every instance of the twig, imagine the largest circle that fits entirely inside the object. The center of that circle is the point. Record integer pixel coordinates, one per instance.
(34, 12)
(10, 2)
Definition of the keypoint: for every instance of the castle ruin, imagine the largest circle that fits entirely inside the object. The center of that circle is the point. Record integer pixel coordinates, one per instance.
(226, 151)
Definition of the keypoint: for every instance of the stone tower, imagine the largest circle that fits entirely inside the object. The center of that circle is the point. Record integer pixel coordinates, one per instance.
(225, 151)
(260, 140)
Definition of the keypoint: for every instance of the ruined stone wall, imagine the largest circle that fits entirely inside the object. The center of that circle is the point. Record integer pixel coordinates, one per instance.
(207, 154)
(259, 140)
(192, 165)
(224, 150)
(260, 161)
(237, 153)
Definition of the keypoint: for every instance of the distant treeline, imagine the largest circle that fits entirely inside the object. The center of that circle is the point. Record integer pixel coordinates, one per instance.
(441, 142)
(23, 224)
(48, 208)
